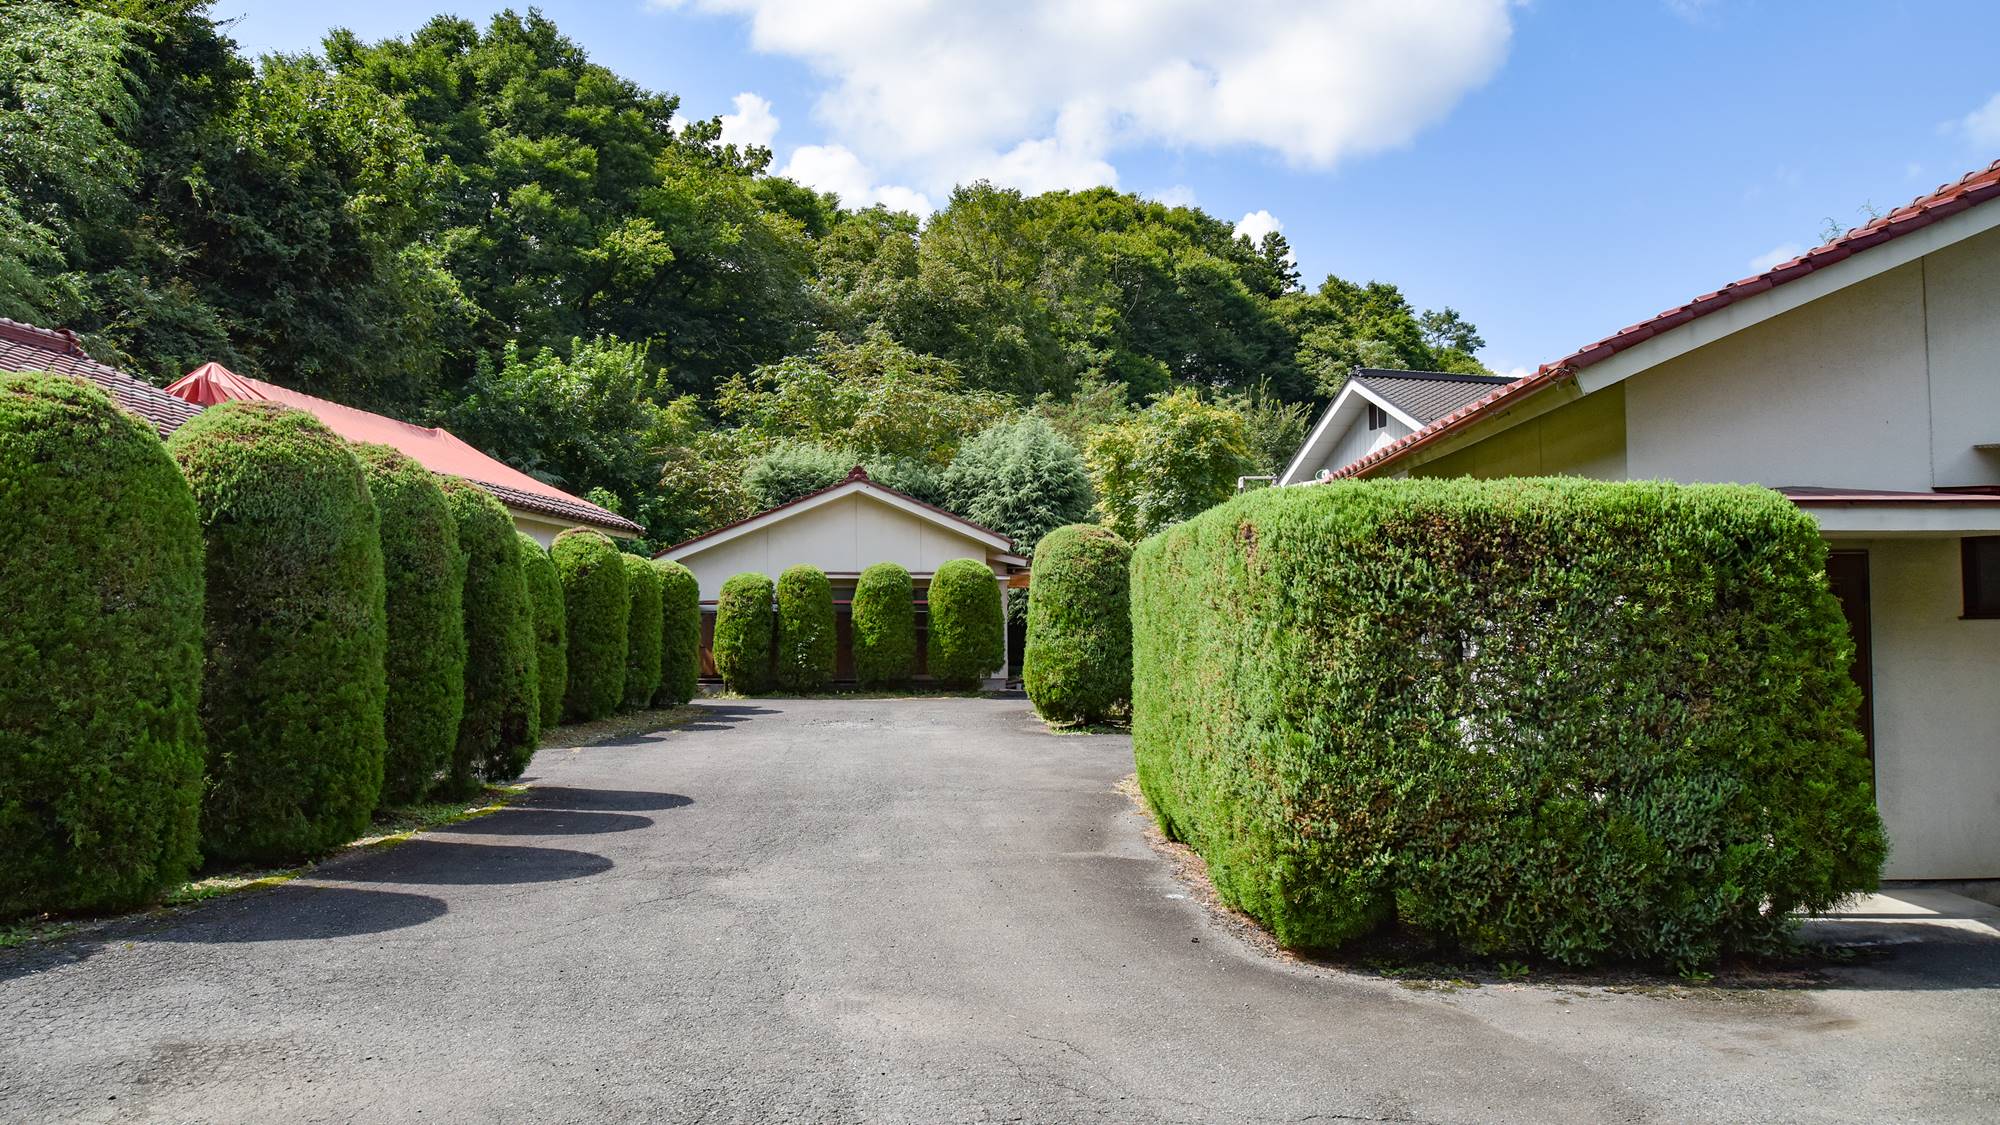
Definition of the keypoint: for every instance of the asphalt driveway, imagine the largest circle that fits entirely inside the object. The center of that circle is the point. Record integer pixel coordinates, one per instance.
(895, 910)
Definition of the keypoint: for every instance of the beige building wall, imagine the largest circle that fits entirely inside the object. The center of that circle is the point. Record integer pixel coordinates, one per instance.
(844, 536)
(1962, 316)
(1937, 713)
(1585, 438)
(1833, 393)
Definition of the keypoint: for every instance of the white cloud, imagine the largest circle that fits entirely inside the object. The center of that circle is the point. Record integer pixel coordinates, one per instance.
(1257, 224)
(1982, 125)
(1179, 195)
(836, 169)
(1775, 256)
(1044, 93)
(753, 123)
(1516, 373)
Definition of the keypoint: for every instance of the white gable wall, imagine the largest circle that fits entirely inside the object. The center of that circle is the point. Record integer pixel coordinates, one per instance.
(843, 536)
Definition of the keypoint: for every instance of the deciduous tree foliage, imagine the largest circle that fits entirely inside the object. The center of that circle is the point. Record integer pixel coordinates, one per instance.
(597, 603)
(743, 633)
(1556, 718)
(644, 630)
(100, 654)
(967, 634)
(805, 638)
(1166, 463)
(680, 646)
(502, 726)
(293, 688)
(424, 580)
(1077, 667)
(545, 596)
(885, 626)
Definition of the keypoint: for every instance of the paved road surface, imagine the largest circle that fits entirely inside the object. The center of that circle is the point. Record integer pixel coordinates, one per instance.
(890, 910)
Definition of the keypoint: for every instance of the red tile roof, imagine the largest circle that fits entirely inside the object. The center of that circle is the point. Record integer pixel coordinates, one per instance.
(24, 347)
(435, 449)
(1969, 191)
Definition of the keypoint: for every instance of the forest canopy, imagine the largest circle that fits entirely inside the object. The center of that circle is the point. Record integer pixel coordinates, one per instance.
(481, 228)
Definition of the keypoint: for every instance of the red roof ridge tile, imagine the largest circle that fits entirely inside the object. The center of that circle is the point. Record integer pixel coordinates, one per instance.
(1973, 188)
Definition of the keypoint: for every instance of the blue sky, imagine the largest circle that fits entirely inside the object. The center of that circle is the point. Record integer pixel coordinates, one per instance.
(1554, 169)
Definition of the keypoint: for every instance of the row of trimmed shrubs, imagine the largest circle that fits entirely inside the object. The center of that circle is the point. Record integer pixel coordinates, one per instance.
(238, 645)
(783, 636)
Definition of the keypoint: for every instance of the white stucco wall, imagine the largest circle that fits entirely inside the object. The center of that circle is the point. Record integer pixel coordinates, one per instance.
(1962, 318)
(844, 536)
(1833, 393)
(1937, 713)
(540, 530)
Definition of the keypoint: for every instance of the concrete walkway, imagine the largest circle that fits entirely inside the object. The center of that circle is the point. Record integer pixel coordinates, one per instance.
(898, 910)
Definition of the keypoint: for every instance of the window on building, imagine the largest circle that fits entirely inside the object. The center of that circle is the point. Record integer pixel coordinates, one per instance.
(1378, 418)
(1982, 576)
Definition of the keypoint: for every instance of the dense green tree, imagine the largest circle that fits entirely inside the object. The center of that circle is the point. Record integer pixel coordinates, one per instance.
(545, 595)
(597, 604)
(788, 470)
(424, 579)
(885, 626)
(100, 656)
(966, 638)
(1177, 457)
(1077, 667)
(1021, 479)
(680, 637)
(293, 688)
(644, 624)
(502, 725)
(743, 633)
(804, 642)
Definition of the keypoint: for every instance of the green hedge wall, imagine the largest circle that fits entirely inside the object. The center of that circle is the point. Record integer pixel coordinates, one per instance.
(885, 626)
(424, 580)
(596, 603)
(545, 598)
(645, 621)
(100, 654)
(805, 636)
(742, 644)
(1077, 664)
(1557, 718)
(293, 689)
(680, 641)
(502, 726)
(967, 637)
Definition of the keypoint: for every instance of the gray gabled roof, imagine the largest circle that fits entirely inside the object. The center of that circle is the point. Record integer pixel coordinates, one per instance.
(1428, 395)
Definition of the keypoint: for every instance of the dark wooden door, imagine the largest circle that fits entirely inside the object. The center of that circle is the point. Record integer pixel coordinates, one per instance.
(1847, 573)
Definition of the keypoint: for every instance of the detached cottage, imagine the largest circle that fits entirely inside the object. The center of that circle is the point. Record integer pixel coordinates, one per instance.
(1861, 380)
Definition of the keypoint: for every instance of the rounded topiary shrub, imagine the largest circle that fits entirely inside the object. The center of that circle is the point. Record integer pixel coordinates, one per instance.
(100, 654)
(424, 580)
(293, 688)
(885, 626)
(596, 604)
(680, 634)
(1077, 666)
(805, 639)
(545, 597)
(644, 621)
(968, 633)
(743, 633)
(503, 709)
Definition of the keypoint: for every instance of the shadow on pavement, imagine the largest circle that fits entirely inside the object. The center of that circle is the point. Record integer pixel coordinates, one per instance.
(722, 716)
(429, 860)
(562, 797)
(302, 912)
(520, 821)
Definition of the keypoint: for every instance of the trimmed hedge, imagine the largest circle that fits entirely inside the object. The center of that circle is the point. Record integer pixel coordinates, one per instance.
(644, 621)
(293, 689)
(742, 644)
(424, 583)
(1077, 664)
(805, 637)
(680, 638)
(1559, 718)
(885, 626)
(596, 603)
(968, 634)
(545, 598)
(502, 726)
(100, 654)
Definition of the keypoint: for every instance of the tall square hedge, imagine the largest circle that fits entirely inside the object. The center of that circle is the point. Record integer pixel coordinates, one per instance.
(1563, 718)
